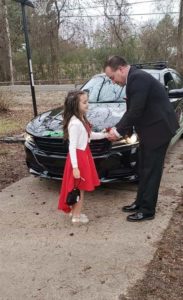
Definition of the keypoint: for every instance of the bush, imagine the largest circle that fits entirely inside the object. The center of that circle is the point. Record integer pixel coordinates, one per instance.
(5, 98)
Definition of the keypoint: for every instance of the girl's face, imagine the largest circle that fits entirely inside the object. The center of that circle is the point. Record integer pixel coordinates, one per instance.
(83, 104)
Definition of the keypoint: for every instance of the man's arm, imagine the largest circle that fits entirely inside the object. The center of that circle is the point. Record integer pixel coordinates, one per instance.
(138, 88)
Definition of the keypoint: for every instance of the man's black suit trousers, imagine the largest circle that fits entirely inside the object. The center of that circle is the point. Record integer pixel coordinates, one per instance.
(151, 163)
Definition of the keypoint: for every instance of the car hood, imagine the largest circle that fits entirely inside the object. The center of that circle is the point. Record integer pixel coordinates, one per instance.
(100, 115)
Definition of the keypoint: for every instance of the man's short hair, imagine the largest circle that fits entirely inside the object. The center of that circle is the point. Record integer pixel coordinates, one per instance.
(114, 62)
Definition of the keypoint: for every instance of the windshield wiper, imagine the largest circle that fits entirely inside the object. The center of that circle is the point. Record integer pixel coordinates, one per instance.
(100, 90)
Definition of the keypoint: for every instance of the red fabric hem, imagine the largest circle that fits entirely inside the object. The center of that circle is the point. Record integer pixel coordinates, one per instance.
(87, 171)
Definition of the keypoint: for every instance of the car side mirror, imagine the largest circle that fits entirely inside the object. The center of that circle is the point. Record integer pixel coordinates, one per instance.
(177, 93)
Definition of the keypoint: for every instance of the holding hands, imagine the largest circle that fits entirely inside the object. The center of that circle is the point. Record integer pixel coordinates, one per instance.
(112, 134)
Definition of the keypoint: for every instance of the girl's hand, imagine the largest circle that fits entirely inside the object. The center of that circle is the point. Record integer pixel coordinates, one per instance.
(107, 135)
(76, 173)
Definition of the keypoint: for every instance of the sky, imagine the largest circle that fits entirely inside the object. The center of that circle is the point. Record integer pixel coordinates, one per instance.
(149, 7)
(140, 12)
(141, 7)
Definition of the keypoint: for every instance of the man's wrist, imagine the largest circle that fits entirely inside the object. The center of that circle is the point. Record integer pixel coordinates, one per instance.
(116, 132)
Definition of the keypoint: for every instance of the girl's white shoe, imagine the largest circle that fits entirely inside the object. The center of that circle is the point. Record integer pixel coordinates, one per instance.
(80, 219)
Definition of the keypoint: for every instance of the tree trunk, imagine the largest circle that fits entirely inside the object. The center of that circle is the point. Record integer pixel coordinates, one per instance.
(180, 40)
(7, 30)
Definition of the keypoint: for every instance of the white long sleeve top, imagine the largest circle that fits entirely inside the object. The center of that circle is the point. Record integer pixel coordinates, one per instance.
(78, 138)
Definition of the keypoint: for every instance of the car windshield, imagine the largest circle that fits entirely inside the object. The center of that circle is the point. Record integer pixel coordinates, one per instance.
(154, 74)
(101, 89)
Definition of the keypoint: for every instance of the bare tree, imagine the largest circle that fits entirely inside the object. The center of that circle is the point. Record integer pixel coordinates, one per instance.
(7, 38)
(180, 39)
(116, 13)
(158, 41)
(46, 42)
(164, 6)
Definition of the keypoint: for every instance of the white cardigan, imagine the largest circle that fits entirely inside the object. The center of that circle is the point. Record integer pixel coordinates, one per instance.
(78, 138)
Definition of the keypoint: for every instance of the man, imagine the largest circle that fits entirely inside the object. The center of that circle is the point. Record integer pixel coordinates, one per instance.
(150, 112)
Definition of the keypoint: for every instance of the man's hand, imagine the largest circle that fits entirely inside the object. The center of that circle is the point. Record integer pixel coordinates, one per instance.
(76, 173)
(112, 136)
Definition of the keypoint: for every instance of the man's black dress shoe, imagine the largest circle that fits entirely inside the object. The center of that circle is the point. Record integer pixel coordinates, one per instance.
(130, 208)
(139, 216)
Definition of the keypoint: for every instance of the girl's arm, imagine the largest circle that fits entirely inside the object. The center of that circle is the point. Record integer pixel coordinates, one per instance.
(98, 135)
(73, 137)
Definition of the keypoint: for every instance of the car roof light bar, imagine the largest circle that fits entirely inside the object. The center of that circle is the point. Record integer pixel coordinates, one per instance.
(159, 65)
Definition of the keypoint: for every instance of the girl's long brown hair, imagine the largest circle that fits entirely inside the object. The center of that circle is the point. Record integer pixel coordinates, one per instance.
(71, 108)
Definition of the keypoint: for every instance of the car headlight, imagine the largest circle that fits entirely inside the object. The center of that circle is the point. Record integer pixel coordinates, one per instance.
(29, 138)
(126, 141)
(132, 139)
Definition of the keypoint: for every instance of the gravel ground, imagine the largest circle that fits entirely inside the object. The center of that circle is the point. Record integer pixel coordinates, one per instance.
(43, 257)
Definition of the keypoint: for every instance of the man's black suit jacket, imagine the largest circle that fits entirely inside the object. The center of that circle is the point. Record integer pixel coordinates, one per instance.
(148, 110)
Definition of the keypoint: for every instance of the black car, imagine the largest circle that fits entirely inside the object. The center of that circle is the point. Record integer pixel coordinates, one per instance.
(46, 149)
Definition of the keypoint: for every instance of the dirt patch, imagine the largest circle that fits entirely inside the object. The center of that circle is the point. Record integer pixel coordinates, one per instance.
(163, 279)
(13, 122)
(13, 165)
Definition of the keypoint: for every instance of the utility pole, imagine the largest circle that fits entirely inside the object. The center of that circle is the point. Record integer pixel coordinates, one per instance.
(29, 59)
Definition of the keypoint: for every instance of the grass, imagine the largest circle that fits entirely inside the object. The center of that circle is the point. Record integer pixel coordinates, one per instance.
(8, 126)
(3, 152)
(5, 100)
(14, 117)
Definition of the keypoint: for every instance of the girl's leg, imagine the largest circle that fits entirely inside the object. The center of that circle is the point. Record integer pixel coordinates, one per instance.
(76, 208)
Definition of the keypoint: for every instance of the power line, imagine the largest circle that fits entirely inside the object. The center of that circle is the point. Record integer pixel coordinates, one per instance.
(111, 5)
(145, 14)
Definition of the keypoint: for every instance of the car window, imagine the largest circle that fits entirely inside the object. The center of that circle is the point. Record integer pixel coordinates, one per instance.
(169, 81)
(155, 75)
(178, 80)
(93, 87)
(102, 89)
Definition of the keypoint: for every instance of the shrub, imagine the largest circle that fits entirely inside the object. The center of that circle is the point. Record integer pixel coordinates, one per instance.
(5, 98)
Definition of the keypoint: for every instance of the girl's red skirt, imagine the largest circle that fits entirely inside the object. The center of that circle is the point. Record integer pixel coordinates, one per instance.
(88, 172)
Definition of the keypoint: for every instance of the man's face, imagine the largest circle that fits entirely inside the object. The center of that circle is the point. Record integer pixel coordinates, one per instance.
(117, 76)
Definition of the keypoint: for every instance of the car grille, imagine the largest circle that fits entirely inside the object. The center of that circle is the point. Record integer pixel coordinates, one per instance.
(99, 147)
(52, 146)
(60, 147)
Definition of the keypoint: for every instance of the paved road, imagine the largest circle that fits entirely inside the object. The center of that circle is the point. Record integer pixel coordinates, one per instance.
(40, 88)
(44, 257)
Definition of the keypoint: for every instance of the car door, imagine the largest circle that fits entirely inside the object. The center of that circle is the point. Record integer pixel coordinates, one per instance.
(179, 103)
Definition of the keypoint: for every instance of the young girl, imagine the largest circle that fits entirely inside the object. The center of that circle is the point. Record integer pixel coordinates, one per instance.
(79, 169)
